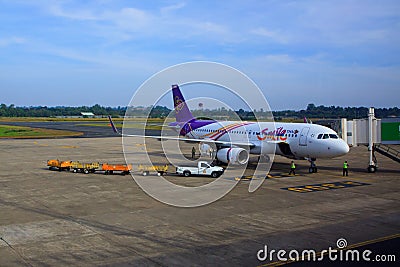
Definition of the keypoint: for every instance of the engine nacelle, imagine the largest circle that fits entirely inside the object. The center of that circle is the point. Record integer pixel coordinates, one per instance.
(235, 155)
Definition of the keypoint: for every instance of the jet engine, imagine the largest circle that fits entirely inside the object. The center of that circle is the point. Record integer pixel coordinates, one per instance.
(235, 155)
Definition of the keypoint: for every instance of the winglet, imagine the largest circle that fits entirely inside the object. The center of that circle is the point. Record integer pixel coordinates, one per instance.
(113, 125)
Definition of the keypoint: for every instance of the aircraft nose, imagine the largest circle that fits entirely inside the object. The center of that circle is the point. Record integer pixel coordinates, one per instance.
(342, 148)
(338, 148)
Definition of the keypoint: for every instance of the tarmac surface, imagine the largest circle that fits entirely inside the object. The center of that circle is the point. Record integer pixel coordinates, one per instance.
(51, 218)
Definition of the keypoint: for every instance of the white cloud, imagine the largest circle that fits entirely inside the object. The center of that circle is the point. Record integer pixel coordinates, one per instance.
(272, 35)
(133, 23)
(209, 27)
(317, 80)
(278, 59)
(167, 9)
(125, 18)
(77, 14)
(14, 40)
(131, 19)
(347, 23)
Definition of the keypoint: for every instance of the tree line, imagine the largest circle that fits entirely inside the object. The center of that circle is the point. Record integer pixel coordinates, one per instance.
(312, 111)
(44, 111)
(335, 112)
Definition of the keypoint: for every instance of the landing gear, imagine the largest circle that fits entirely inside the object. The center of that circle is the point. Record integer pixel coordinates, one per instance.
(264, 158)
(313, 167)
(373, 162)
(371, 168)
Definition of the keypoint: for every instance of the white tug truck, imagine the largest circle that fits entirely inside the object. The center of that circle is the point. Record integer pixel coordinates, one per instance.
(203, 168)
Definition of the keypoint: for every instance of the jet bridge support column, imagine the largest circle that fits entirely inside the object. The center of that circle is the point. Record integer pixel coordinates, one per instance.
(371, 132)
(344, 129)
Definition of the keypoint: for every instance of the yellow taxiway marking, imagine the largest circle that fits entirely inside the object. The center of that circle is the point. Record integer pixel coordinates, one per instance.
(356, 245)
(276, 176)
(37, 143)
(140, 144)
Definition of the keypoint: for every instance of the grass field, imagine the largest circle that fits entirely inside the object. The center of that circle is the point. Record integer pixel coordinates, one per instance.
(7, 131)
(127, 125)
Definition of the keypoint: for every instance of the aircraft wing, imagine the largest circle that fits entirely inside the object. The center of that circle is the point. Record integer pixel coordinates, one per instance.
(274, 142)
(193, 140)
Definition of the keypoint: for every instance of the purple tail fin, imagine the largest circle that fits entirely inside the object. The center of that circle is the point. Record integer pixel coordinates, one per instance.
(182, 112)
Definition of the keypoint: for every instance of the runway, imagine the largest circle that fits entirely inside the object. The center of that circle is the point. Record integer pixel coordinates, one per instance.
(60, 218)
(78, 126)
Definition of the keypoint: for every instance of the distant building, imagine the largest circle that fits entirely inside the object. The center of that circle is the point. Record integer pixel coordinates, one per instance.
(87, 114)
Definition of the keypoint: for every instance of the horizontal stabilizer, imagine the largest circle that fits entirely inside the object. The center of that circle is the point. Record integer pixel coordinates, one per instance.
(113, 125)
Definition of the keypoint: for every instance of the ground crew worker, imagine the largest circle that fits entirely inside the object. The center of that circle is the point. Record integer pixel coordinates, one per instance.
(193, 152)
(345, 168)
(292, 168)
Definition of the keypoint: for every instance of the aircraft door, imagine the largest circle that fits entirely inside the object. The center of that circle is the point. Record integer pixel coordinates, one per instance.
(303, 136)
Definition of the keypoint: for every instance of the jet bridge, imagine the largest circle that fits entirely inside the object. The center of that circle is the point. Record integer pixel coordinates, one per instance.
(378, 134)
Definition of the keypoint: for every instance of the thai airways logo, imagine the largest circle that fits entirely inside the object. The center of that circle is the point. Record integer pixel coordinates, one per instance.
(186, 128)
(179, 104)
(279, 134)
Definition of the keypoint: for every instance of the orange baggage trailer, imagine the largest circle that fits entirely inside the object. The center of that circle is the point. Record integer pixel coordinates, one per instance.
(55, 164)
(111, 168)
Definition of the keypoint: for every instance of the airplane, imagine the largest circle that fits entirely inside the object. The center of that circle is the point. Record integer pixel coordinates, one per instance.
(235, 140)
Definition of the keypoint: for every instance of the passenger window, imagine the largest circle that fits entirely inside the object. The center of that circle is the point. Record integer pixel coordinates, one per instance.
(326, 136)
(333, 136)
(320, 136)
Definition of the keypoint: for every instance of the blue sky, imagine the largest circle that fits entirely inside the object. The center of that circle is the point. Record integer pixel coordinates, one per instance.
(337, 52)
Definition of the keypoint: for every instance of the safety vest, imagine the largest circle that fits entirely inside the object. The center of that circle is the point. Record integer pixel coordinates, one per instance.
(345, 165)
(293, 166)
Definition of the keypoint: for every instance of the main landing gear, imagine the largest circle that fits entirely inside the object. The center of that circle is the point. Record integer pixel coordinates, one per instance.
(313, 167)
(264, 158)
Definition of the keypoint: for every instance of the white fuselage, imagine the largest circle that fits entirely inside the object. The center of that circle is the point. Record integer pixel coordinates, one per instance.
(297, 140)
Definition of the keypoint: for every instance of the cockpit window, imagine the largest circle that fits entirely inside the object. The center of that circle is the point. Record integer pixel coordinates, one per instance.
(327, 136)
